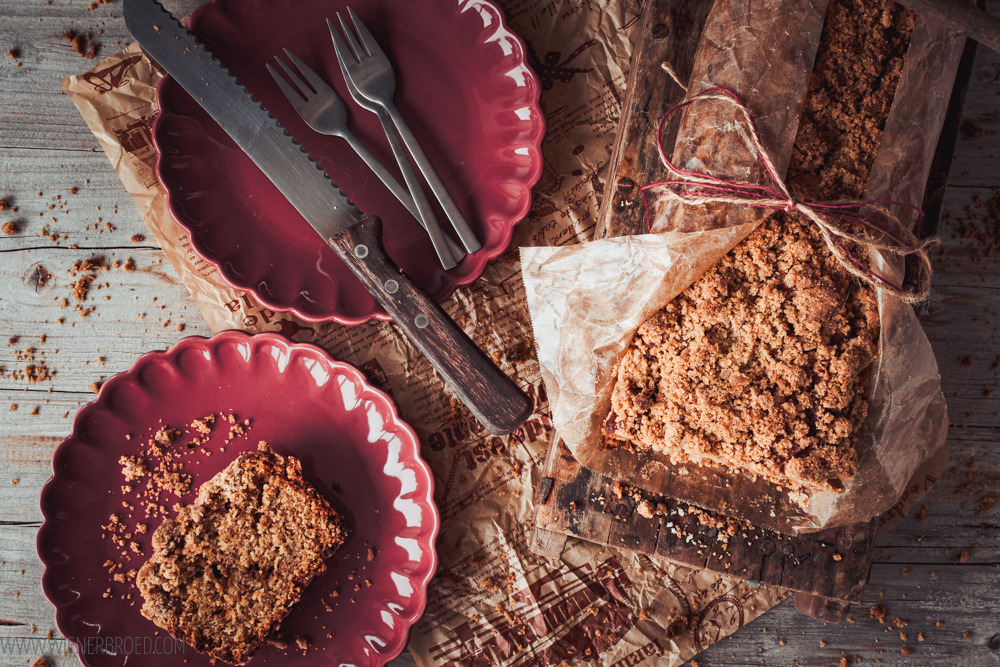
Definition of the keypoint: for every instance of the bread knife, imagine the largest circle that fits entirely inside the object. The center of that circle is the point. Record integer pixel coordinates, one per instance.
(356, 237)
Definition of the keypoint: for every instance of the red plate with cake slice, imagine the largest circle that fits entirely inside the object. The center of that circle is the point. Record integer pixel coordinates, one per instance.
(354, 449)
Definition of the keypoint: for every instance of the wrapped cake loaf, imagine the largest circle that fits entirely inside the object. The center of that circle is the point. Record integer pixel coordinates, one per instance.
(765, 363)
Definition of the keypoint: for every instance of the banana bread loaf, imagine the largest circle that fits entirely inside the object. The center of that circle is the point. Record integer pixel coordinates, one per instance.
(766, 362)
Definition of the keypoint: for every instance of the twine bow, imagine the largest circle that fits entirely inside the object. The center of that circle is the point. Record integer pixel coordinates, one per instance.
(841, 223)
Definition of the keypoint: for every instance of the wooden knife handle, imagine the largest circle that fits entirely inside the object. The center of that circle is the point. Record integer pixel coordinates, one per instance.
(491, 396)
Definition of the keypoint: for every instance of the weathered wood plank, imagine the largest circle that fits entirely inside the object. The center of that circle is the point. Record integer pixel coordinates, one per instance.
(141, 312)
(34, 111)
(962, 597)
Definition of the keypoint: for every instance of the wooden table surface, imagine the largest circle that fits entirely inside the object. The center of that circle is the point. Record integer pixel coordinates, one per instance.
(939, 572)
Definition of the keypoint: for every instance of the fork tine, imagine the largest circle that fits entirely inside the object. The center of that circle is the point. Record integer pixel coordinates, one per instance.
(344, 55)
(359, 52)
(296, 80)
(314, 79)
(293, 96)
(366, 38)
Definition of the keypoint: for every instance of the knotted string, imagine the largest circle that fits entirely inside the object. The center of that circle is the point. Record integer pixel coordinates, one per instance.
(841, 223)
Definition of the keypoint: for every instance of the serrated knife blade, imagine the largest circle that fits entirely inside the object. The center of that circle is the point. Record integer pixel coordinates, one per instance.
(489, 394)
(265, 141)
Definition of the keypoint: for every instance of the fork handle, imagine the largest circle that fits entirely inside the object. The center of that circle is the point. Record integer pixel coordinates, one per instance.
(491, 396)
(395, 187)
(458, 222)
(424, 214)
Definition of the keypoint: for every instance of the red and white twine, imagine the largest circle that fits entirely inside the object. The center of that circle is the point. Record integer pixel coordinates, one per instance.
(839, 222)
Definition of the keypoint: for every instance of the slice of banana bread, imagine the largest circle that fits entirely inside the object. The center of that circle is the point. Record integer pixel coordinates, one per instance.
(228, 569)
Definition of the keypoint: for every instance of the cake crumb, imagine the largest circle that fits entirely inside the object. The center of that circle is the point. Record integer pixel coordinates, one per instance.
(877, 612)
(82, 43)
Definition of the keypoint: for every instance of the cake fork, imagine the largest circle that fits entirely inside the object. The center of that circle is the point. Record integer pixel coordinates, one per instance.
(372, 82)
(323, 110)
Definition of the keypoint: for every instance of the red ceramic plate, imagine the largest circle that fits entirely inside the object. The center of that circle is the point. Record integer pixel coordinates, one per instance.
(353, 448)
(462, 84)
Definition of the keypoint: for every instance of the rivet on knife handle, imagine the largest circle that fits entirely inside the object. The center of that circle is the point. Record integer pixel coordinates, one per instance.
(492, 397)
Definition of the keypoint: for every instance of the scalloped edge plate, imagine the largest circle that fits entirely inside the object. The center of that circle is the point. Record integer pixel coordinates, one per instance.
(354, 449)
(465, 87)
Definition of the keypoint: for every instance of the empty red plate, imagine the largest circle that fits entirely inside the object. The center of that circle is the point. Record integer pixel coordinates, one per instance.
(354, 449)
(465, 88)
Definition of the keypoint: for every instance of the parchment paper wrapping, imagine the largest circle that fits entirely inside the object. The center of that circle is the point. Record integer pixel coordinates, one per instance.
(586, 301)
(493, 601)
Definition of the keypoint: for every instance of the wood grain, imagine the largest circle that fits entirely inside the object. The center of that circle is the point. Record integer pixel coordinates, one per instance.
(919, 574)
(669, 32)
(832, 563)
